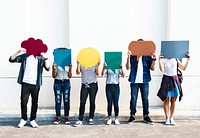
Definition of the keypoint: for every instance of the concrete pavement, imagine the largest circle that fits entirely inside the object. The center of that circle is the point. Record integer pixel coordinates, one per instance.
(156, 113)
(182, 129)
(187, 126)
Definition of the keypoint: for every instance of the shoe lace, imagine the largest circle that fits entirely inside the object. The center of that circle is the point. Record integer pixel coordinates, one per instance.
(90, 120)
(57, 119)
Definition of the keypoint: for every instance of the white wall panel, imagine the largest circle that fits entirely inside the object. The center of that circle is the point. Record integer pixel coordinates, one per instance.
(112, 24)
(184, 25)
(105, 25)
(47, 20)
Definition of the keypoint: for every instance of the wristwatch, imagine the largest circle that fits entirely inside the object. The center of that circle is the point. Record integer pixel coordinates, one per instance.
(154, 59)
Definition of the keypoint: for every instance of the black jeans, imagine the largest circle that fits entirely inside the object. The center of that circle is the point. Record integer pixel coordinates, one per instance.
(86, 90)
(26, 90)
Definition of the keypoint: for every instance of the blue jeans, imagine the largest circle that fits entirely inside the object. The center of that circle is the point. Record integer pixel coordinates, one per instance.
(86, 90)
(144, 89)
(112, 95)
(62, 90)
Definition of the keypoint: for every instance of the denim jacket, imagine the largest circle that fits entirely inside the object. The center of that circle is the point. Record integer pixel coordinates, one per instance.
(146, 62)
(22, 59)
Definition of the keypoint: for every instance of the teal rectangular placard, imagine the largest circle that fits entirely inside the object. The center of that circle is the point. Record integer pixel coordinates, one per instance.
(62, 57)
(113, 60)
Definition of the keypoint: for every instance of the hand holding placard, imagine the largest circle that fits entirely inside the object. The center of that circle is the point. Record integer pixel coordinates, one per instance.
(142, 48)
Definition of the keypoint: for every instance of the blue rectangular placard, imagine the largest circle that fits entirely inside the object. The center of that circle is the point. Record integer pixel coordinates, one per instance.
(62, 57)
(175, 49)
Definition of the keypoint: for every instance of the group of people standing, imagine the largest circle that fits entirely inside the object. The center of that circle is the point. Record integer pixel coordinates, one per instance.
(30, 78)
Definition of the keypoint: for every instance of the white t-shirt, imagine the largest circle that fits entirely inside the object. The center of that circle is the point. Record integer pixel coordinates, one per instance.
(30, 73)
(139, 75)
(170, 66)
(61, 73)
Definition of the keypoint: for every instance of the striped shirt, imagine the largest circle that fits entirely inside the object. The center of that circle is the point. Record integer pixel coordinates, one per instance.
(88, 75)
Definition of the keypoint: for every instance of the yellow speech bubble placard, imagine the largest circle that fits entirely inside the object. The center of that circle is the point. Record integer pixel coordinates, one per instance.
(88, 57)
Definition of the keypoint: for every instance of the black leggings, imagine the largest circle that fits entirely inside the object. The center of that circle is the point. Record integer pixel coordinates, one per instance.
(91, 90)
(26, 90)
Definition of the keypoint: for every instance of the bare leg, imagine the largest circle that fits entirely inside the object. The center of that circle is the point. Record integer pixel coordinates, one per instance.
(166, 107)
(173, 105)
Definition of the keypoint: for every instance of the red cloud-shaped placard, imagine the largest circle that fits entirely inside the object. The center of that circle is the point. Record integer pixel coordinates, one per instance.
(34, 47)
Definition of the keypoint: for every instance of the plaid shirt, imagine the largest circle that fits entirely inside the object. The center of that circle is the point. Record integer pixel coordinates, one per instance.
(168, 84)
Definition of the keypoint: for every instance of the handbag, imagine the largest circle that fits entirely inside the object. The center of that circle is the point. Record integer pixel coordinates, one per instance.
(179, 74)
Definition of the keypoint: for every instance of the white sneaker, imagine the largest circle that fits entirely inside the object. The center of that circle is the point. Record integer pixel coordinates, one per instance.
(22, 123)
(172, 122)
(33, 124)
(117, 122)
(78, 123)
(167, 122)
(109, 122)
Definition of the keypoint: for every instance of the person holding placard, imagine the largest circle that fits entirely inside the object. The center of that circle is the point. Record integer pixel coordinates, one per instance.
(33, 60)
(89, 87)
(170, 87)
(88, 66)
(30, 78)
(62, 85)
(112, 91)
(139, 78)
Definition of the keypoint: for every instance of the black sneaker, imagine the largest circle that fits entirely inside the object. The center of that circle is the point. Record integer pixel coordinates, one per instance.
(131, 120)
(148, 120)
(90, 121)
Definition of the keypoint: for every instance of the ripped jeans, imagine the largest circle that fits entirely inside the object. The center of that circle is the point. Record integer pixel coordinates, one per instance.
(62, 90)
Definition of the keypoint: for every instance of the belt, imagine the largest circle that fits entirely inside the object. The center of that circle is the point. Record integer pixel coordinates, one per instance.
(64, 80)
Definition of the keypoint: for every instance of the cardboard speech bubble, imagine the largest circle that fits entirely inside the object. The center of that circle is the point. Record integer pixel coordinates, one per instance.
(142, 48)
(113, 60)
(34, 46)
(88, 57)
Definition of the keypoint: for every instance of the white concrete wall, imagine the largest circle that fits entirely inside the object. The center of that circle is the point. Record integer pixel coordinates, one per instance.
(105, 25)
(183, 24)
(111, 26)
(47, 20)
